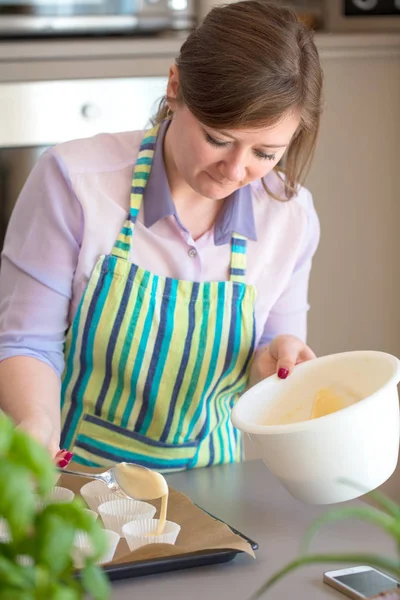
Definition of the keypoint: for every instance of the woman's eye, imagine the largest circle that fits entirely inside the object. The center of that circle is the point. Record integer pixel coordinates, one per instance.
(264, 156)
(215, 142)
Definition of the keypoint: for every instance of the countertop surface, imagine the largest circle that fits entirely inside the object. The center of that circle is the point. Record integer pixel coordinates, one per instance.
(248, 497)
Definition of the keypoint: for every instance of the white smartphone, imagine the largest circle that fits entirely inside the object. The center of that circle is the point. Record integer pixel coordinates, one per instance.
(360, 582)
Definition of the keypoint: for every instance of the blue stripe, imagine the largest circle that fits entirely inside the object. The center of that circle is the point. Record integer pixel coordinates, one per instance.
(86, 351)
(113, 341)
(132, 435)
(122, 376)
(229, 364)
(140, 353)
(114, 454)
(137, 189)
(184, 362)
(192, 389)
(148, 146)
(126, 231)
(88, 463)
(212, 451)
(214, 354)
(238, 242)
(69, 369)
(149, 138)
(235, 271)
(159, 356)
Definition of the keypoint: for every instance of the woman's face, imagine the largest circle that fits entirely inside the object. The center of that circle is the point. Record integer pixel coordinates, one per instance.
(215, 163)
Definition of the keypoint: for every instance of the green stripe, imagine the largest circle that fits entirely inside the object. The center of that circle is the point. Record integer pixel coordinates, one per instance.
(144, 335)
(128, 455)
(214, 353)
(149, 139)
(69, 367)
(201, 344)
(144, 160)
(126, 348)
(140, 175)
(162, 358)
(122, 245)
(94, 325)
(238, 249)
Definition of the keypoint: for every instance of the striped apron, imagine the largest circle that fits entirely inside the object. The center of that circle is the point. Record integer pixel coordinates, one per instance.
(153, 365)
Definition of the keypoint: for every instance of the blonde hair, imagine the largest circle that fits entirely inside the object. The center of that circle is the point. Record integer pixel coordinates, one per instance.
(248, 65)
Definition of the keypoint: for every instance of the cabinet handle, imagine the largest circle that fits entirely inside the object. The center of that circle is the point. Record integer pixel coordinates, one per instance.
(90, 111)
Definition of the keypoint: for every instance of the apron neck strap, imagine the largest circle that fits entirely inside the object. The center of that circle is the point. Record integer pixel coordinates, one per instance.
(123, 243)
(238, 258)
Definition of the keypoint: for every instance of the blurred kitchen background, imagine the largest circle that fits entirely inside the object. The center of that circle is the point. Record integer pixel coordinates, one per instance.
(73, 68)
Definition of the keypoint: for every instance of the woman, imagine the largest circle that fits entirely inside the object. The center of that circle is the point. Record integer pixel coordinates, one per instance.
(147, 278)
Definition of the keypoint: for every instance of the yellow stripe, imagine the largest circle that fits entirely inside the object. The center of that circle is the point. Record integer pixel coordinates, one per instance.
(238, 261)
(139, 183)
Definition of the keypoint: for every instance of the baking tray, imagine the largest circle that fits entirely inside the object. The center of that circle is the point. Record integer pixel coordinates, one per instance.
(153, 566)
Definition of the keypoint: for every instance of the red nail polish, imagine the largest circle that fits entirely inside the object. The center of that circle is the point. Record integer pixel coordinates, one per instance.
(63, 463)
(68, 456)
(283, 373)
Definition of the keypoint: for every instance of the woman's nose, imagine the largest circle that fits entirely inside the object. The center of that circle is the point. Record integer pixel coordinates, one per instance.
(234, 170)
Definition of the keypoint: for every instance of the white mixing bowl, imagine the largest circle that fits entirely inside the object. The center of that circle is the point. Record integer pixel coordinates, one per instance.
(336, 457)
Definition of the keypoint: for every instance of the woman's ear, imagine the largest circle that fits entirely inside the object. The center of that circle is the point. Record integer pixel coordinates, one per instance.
(173, 84)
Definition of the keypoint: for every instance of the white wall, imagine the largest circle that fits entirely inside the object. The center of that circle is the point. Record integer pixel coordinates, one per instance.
(355, 180)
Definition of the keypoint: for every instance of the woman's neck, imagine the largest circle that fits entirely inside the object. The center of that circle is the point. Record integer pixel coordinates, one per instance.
(197, 213)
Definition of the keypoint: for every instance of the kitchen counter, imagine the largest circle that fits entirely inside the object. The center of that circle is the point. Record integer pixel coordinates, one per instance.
(128, 57)
(250, 499)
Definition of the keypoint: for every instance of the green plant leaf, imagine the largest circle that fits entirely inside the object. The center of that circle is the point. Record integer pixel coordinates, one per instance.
(16, 595)
(381, 499)
(380, 562)
(372, 515)
(54, 539)
(28, 452)
(74, 515)
(66, 593)
(17, 500)
(6, 434)
(12, 575)
(95, 582)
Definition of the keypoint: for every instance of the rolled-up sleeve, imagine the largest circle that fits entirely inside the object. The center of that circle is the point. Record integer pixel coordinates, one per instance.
(289, 313)
(38, 263)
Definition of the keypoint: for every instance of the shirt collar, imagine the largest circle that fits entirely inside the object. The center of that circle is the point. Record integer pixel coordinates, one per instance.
(236, 214)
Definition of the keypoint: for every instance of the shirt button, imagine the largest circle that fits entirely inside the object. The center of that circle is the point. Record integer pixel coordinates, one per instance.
(192, 252)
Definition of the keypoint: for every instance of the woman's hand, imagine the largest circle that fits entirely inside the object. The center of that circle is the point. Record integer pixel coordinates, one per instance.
(280, 356)
(42, 430)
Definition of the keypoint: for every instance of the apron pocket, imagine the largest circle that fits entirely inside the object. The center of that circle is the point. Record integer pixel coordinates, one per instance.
(102, 443)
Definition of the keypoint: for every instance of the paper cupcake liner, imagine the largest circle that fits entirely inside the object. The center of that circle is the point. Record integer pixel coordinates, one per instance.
(84, 548)
(5, 536)
(116, 513)
(56, 494)
(139, 533)
(95, 493)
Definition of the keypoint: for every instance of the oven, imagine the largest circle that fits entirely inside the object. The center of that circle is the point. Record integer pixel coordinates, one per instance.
(41, 114)
(32, 18)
